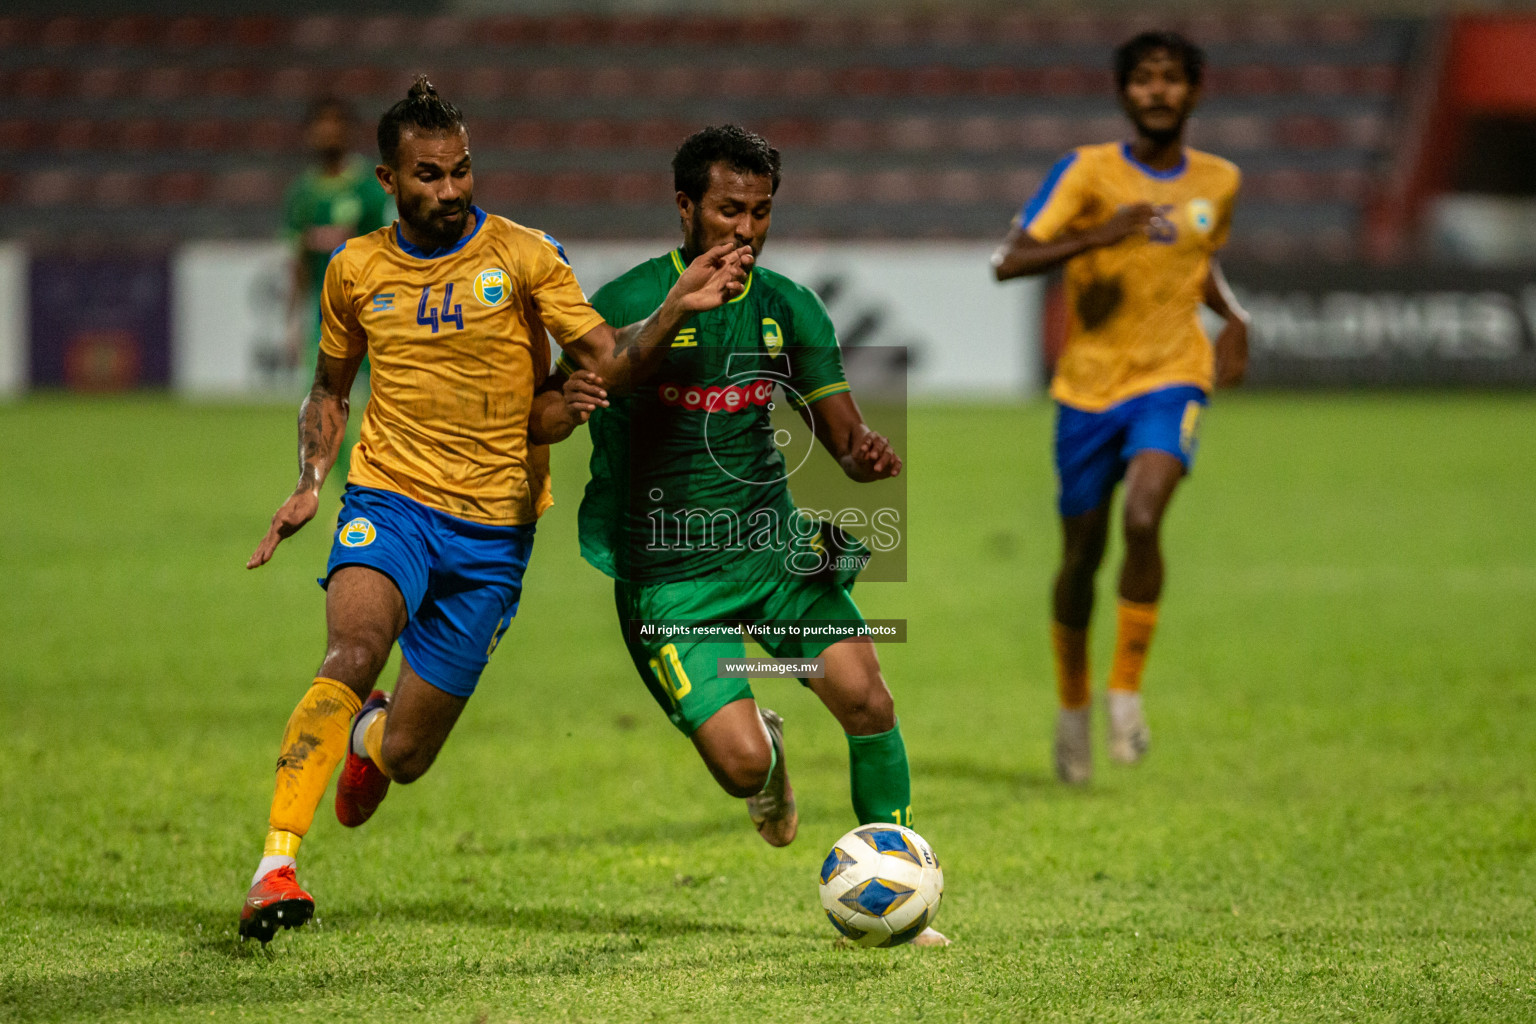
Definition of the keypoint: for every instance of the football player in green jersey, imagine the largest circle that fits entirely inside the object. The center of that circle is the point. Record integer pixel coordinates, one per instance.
(336, 198)
(689, 509)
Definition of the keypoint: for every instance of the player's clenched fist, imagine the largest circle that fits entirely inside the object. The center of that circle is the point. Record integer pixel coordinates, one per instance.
(872, 458)
(715, 278)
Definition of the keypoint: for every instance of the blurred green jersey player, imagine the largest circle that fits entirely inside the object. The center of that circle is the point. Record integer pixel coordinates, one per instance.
(689, 508)
(336, 198)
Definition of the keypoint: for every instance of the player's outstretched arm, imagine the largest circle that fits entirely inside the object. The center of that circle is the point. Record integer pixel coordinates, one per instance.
(563, 404)
(322, 427)
(625, 356)
(1232, 342)
(864, 455)
(1024, 255)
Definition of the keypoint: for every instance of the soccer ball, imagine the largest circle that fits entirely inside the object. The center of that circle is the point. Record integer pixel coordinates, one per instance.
(881, 885)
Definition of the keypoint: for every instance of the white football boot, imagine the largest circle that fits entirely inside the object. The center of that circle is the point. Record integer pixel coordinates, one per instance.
(1129, 737)
(1074, 754)
(930, 937)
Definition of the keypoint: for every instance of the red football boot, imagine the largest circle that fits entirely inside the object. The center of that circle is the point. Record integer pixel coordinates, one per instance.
(274, 902)
(362, 786)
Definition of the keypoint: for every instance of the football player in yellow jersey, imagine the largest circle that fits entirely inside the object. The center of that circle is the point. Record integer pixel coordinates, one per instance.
(451, 305)
(1136, 226)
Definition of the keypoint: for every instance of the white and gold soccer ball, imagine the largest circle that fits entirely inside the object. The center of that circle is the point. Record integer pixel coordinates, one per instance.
(881, 885)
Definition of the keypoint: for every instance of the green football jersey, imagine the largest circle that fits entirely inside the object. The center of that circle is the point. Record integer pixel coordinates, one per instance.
(352, 201)
(686, 478)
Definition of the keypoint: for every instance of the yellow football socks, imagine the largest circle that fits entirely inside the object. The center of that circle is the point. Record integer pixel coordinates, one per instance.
(373, 739)
(1133, 636)
(281, 843)
(1071, 647)
(313, 744)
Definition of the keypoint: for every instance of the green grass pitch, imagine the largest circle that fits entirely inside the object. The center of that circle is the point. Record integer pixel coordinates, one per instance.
(1335, 823)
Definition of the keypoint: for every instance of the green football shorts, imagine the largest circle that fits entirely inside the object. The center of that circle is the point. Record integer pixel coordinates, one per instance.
(681, 672)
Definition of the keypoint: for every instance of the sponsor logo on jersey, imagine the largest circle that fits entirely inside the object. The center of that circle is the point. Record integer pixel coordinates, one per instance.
(688, 337)
(773, 336)
(359, 533)
(1202, 214)
(491, 286)
(384, 302)
(716, 398)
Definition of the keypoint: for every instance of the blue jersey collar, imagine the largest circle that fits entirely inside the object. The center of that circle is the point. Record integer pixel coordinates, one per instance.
(1172, 172)
(437, 254)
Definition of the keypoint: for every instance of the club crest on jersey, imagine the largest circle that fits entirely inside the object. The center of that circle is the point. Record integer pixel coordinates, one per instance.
(359, 533)
(491, 286)
(773, 336)
(1202, 214)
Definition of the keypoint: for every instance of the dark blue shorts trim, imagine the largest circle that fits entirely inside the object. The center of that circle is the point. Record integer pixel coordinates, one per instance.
(1094, 448)
(461, 581)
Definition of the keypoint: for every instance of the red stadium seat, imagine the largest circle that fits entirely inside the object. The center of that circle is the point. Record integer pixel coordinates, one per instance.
(385, 32)
(319, 32)
(238, 82)
(143, 134)
(591, 133)
(207, 135)
(272, 135)
(53, 187)
(613, 81)
(985, 134)
(103, 83)
(1303, 131)
(120, 188)
(747, 82)
(662, 133)
(1323, 80)
(293, 83)
(168, 83)
(961, 186)
(133, 30)
(248, 187)
(41, 83)
(915, 134)
(16, 32)
(22, 135)
(77, 134)
(69, 30)
(806, 83)
(191, 33)
(255, 33)
(784, 133)
(637, 188)
(187, 188)
(827, 188)
(896, 185)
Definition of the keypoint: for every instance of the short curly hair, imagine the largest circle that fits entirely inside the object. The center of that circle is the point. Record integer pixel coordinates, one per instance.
(1146, 44)
(728, 144)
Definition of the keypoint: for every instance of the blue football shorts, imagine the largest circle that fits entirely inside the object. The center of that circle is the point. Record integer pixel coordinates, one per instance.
(1093, 449)
(461, 581)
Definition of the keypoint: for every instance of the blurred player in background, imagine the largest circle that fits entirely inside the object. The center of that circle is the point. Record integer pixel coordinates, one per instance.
(695, 452)
(1137, 225)
(451, 474)
(336, 198)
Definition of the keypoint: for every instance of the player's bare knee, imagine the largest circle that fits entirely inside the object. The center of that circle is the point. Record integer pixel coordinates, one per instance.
(744, 773)
(1141, 524)
(405, 760)
(868, 711)
(355, 663)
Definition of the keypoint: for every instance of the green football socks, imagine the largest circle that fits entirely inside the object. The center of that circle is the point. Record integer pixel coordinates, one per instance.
(880, 779)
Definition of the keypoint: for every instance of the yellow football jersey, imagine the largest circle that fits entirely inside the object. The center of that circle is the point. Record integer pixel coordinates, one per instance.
(1133, 322)
(457, 343)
